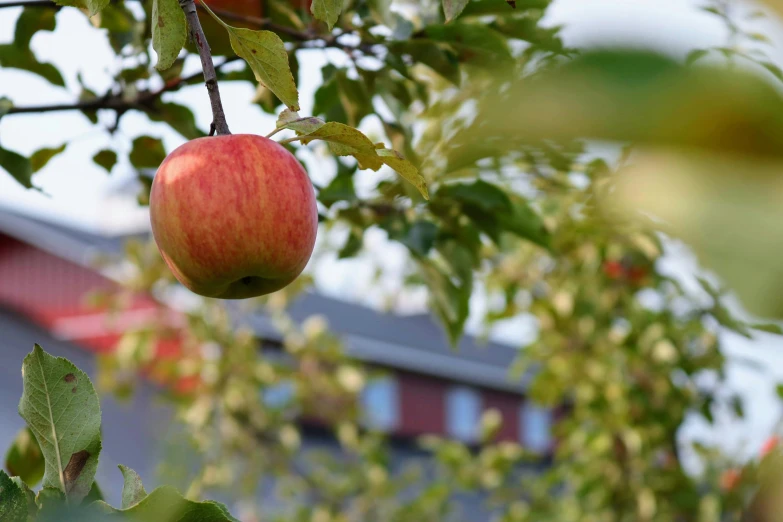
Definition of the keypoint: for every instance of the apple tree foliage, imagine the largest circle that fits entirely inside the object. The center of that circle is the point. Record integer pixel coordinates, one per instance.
(503, 192)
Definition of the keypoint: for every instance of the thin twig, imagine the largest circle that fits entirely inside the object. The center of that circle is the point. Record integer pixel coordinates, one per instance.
(274, 132)
(329, 40)
(30, 3)
(210, 78)
(289, 140)
(142, 102)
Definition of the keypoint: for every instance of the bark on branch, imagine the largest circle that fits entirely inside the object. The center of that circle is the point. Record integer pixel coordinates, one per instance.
(144, 101)
(210, 77)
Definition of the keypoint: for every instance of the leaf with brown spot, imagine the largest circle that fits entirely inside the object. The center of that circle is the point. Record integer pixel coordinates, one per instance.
(74, 469)
(169, 31)
(66, 424)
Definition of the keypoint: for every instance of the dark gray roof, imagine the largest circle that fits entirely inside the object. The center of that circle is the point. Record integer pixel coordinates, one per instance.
(415, 343)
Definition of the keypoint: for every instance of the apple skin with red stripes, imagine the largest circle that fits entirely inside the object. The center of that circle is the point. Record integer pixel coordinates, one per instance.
(233, 216)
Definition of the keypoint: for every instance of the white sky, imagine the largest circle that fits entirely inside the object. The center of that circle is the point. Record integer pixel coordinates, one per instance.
(79, 189)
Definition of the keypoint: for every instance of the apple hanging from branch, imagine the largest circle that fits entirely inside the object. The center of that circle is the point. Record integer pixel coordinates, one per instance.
(234, 216)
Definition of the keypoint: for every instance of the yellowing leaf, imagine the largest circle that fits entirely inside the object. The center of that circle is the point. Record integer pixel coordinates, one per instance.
(343, 135)
(91, 6)
(327, 11)
(265, 53)
(406, 169)
(346, 141)
(169, 31)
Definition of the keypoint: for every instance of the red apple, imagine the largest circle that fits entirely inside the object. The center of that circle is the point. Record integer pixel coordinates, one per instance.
(233, 216)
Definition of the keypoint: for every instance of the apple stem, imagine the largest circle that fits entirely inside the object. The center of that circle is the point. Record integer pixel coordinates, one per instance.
(210, 78)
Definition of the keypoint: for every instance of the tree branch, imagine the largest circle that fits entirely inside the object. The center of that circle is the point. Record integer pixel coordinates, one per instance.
(301, 36)
(210, 78)
(30, 3)
(142, 102)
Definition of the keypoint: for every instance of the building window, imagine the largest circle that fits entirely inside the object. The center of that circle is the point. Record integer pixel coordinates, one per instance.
(279, 395)
(380, 404)
(463, 410)
(535, 427)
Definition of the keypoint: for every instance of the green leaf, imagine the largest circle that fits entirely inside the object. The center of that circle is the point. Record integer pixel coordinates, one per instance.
(406, 169)
(430, 54)
(346, 141)
(57, 397)
(169, 31)
(776, 71)
(167, 504)
(525, 223)
(769, 328)
(779, 390)
(179, 118)
(24, 458)
(32, 20)
(449, 301)
(481, 194)
(32, 508)
(147, 153)
(132, 490)
(5, 105)
(121, 26)
(695, 55)
(17, 166)
(42, 156)
(91, 6)
(94, 495)
(345, 136)
(87, 95)
(497, 7)
(652, 99)
(355, 98)
(106, 158)
(265, 52)
(474, 43)
(327, 11)
(352, 245)
(13, 500)
(421, 237)
(339, 189)
(717, 204)
(452, 8)
(14, 57)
